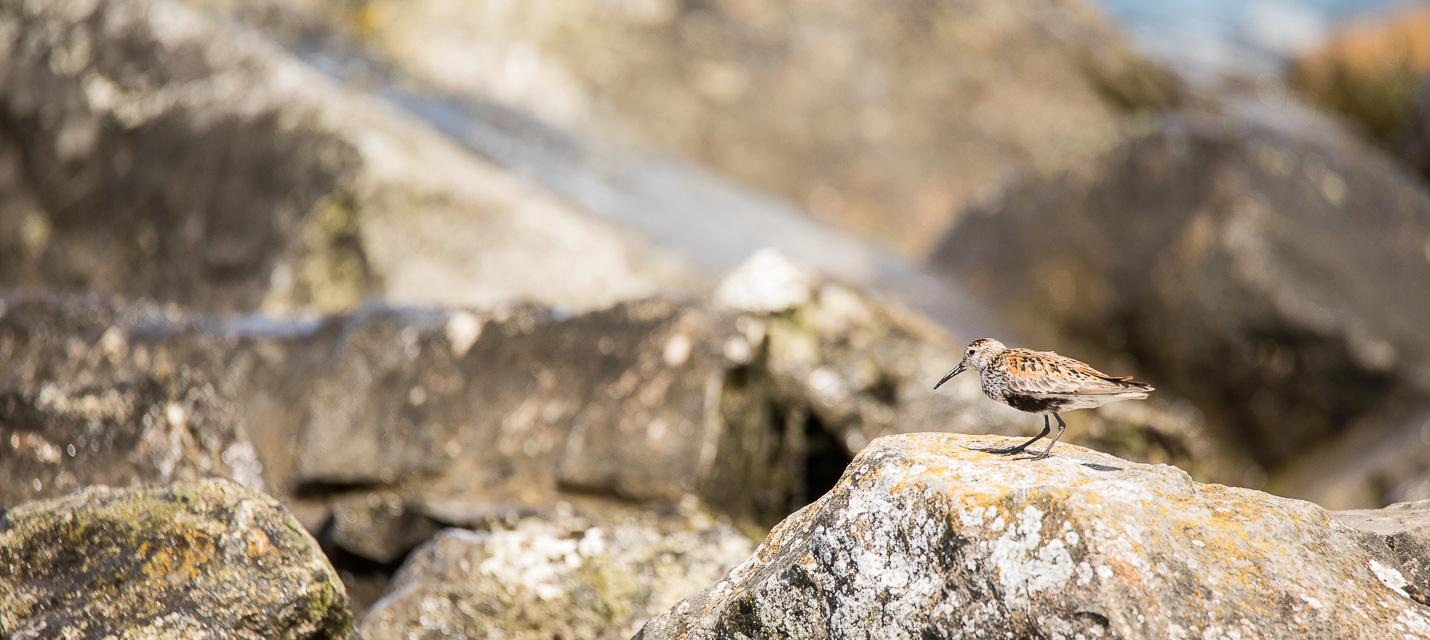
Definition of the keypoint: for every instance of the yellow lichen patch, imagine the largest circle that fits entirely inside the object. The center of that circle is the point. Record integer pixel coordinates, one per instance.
(179, 564)
(154, 562)
(258, 543)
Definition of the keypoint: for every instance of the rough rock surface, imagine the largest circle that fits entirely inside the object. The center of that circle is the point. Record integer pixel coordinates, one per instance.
(56, 440)
(884, 117)
(1400, 532)
(563, 578)
(1273, 279)
(757, 411)
(924, 537)
(204, 559)
(65, 353)
(240, 179)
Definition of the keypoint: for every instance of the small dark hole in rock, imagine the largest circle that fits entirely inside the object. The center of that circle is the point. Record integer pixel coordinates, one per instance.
(1100, 467)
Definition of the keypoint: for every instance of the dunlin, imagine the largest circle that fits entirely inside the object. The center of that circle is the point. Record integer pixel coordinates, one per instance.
(1041, 382)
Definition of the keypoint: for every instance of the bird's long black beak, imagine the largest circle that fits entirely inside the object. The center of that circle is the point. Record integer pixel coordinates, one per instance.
(949, 376)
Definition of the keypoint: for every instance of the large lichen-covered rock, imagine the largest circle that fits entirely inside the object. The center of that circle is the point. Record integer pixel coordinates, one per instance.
(561, 578)
(926, 537)
(205, 559)
(885, 117)
(164, 156)
(1274, 278)
(54, 440)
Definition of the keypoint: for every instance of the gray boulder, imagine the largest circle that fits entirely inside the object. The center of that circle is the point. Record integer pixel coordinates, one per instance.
(205, 559)
(885, 118)
(241, 376)
(152, 431)
(1274, 278)
(170, 157)
(158, 154)
(925, 537)
(565, 577)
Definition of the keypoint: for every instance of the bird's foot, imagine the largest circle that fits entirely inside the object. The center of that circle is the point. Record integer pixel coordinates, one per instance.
(1035, 455)
(1003, 451)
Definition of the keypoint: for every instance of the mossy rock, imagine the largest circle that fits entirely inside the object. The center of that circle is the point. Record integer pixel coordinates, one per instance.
(203, 559)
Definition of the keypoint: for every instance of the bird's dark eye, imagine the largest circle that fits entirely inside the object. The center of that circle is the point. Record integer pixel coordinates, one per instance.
(970, 352)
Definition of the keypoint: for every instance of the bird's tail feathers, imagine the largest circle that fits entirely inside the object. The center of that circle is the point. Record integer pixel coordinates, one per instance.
(1127, 381)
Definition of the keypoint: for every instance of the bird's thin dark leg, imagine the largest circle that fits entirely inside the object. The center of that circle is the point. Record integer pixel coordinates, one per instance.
(1061, 425)
(1019, 449)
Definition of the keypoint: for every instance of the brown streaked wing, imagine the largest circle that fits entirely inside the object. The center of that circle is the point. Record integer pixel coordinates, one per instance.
(1047, 372)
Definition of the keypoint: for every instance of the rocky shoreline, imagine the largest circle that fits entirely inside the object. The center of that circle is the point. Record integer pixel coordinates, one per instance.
(309, 331)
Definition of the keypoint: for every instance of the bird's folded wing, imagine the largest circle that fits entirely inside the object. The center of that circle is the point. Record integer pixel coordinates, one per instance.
(1042, 383)
(1045, 372)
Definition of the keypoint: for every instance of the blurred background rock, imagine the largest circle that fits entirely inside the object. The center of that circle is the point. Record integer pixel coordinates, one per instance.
(651, 272)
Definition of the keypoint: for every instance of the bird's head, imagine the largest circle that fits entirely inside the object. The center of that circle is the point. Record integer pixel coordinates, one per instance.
(979, 354)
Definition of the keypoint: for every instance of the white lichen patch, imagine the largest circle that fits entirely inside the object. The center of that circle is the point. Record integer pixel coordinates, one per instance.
(592, 543)
(536, 562)
(1026, 564)
(1390, 577)
(973, 518)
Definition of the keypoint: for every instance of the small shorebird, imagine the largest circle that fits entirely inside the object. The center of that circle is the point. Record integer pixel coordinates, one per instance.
(1041, 382)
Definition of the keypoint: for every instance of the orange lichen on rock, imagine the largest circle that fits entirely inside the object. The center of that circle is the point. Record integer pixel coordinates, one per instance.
(165, 562)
